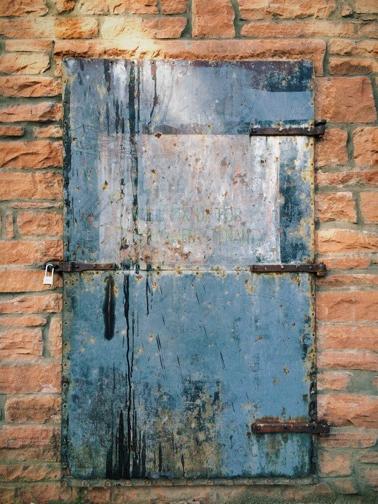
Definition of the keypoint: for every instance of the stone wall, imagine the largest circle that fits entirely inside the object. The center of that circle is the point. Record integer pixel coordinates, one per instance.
(340, 38)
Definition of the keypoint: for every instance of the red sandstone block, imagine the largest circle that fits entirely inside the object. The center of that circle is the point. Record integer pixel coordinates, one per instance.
(356, 438)
(31, 223)
(25, 436)
(32, 408)
(347, 178)
(337, 206)
(348, 359)
(346, 409)
(346, 262)
(173, 6)
(31, 154)
(25, 281)
(29, 87)
(22, 321)
(52, 131)
(333, 380)
(354, 306)
(345, 240)
(332, 148)
(54, 338)
(28, 45)
(335, 464)
(349, 280)
(30, 252)
(369, 207)
(345, 99)
(252, 9)
(23, 7)
(365, 143)
(21, 343)
(41, 377)
(46, 303)
(11, 131)
(29, 472)
(43, 185)
(295, 29)
(48, 111)
(213, 19)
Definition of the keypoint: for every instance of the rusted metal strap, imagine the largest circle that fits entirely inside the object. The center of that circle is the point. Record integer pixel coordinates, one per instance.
(319, 269)
(77, 267)
(279, 427)
(317, 130)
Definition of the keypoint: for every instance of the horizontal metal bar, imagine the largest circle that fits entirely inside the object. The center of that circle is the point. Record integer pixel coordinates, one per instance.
(312, 131)
(279, 427)
(77, 267)
(319, 269)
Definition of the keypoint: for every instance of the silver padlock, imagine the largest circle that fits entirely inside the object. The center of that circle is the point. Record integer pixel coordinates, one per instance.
(48, 278)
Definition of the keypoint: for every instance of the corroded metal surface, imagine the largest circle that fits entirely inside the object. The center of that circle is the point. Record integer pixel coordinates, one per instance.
(167, 373)
(186, 200)
(168, 362)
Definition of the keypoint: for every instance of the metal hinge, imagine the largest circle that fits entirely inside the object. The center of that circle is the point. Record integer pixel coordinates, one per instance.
(317, 130)
(291, 426)
(319, 269)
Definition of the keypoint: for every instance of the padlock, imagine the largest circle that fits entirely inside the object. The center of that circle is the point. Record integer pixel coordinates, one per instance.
(48, 278)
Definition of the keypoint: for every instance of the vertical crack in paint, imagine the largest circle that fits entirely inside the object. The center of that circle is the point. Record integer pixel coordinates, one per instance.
(108, 308)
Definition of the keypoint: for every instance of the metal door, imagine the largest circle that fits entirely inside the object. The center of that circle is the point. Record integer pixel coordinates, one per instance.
(181, 329)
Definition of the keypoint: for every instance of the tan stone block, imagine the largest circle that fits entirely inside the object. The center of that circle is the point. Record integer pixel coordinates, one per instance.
(28, 63)
(23, 7)
(29, 87)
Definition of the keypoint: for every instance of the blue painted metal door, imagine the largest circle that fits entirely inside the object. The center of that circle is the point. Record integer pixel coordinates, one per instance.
(171, 358)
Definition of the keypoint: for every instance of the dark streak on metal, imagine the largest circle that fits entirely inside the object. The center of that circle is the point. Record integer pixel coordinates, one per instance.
(222, 359)
(130, 442)
(133, 128)
(108, 308)
(158, 342)
(149, 293)
(155, 97)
